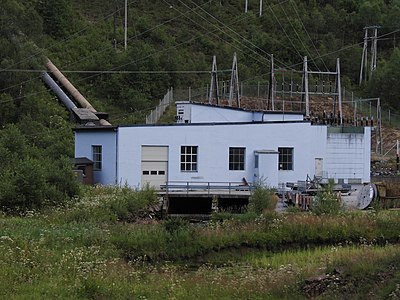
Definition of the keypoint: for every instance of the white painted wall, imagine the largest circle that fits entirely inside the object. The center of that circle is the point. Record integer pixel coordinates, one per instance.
(84, 139)
(345, 155)
(203, 113)
(348, 155)
(213, 141)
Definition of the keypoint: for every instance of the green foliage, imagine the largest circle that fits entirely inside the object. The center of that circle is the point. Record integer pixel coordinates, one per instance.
(384, 83)
(46, 255)
(220, 217)
(172, 225)
(28, 179)
(326, 201)
(103, 204)
(129, 204)
(262, 199)
(57, 16)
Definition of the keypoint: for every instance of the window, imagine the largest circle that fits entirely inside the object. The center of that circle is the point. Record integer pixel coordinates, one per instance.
(189, 158)
(285, 159)
(236, 158)
(97, 157)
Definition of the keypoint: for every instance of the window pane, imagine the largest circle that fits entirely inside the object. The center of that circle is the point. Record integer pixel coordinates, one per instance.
(236, 158)
(285, 159)
(97, 157)
(189, 158)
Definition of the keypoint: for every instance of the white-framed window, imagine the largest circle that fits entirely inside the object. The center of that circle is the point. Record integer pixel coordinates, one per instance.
(237, 158)
(97, 157)
(189, 158)
(285, 158)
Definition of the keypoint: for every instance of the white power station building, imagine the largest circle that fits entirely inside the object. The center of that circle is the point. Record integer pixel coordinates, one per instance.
(223, 144)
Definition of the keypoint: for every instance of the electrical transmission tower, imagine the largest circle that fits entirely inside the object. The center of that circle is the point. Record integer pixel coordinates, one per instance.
(234, 85)
(214, 82)
(373, 38)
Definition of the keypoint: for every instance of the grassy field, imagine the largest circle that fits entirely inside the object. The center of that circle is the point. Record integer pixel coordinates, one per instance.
(103, 247)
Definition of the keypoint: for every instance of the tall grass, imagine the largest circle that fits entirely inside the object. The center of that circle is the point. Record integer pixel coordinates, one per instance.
(271, 232)
(80, 252)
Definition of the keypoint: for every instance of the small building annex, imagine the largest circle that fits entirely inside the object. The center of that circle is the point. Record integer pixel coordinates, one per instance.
(224, 144)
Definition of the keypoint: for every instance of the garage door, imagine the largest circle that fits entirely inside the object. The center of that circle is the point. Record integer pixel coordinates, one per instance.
(154, 165)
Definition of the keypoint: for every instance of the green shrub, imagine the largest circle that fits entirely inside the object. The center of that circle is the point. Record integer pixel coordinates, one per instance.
(326, 201)
(129, 204)
(172, 225)
(262, 199)
(227, 216)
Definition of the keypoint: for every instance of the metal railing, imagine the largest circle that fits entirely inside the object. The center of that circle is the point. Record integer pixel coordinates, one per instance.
(207, 187)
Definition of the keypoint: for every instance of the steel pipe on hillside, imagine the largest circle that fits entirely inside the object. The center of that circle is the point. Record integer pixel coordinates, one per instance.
(72, 90)
(69, 87)
(58, 91)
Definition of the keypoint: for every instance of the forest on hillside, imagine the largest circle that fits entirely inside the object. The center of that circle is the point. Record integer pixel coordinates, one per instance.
(169, 43)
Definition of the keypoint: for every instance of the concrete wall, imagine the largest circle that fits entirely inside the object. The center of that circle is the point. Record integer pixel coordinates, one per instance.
(213, 143)
(348, 155)
(84, 139)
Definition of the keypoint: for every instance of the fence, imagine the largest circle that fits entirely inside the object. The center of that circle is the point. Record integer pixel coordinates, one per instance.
(288, 98)
(156, 113)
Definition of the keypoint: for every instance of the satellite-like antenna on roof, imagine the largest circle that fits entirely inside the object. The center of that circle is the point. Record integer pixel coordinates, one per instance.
(234, 86)
(214, 82)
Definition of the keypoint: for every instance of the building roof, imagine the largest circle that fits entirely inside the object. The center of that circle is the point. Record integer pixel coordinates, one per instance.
(82, 161)
(95, 127)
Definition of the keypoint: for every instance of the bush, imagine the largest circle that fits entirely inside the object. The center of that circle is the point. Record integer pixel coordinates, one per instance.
(172, 225)
(326, 201)
(129, 204)
(262, 199)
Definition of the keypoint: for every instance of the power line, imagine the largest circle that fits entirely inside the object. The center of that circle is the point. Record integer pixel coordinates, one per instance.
(126, 64)
(89, 56)
(41, 51)
(241, 36)
(118, 71)
(290, 40)
(218, 29)
(327, 54)
(305, 29)
(299, 38)
(111, 47)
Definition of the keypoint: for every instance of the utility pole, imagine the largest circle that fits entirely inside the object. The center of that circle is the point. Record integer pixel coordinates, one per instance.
(261, 7)
(305, 95)
(339, 90)
(115, 32)
(374, 44)
(374, 51)
(271, 90)
(126, 24)
(246, 5)
(398, 156)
